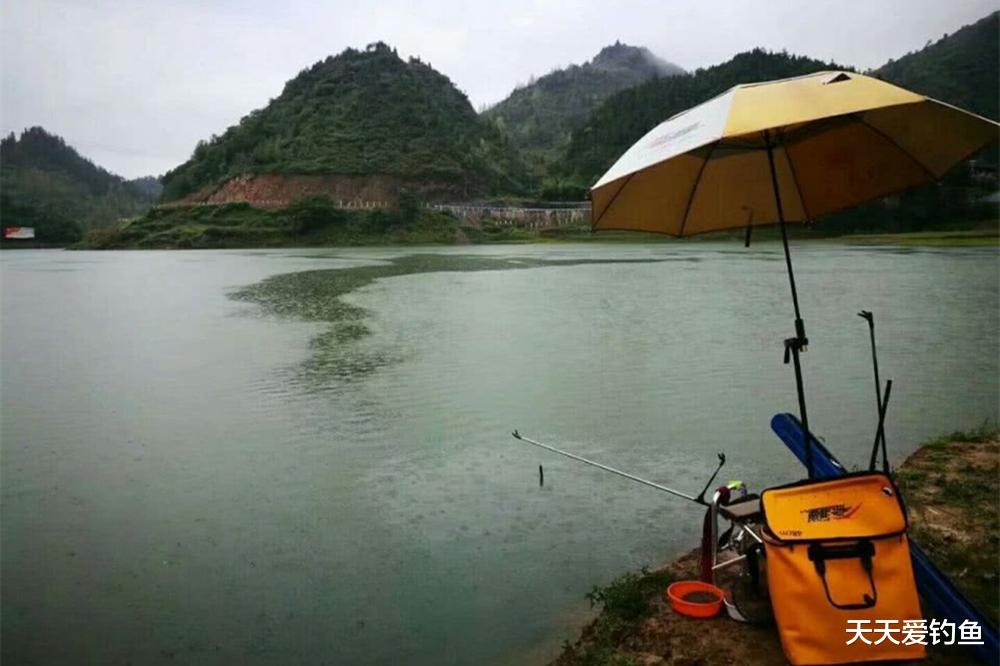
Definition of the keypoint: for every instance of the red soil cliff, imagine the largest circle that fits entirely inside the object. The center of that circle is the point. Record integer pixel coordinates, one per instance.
(275, 190)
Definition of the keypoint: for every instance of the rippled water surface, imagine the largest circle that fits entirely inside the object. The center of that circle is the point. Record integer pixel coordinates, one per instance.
(304, 456)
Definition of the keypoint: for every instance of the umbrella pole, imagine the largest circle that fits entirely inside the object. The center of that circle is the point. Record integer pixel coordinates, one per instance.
(793, 346)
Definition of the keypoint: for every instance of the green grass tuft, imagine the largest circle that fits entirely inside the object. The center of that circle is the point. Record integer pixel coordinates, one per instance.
(986, 432)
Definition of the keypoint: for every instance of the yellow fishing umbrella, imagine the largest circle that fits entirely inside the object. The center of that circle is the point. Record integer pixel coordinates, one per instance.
(784, 151)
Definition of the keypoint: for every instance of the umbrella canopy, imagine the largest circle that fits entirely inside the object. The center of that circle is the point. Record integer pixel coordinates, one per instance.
(784, 151)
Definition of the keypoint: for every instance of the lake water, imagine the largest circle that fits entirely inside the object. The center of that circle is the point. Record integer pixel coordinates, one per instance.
(270, 457)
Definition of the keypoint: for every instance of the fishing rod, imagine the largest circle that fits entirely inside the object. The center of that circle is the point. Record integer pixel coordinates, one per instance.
(700, 499)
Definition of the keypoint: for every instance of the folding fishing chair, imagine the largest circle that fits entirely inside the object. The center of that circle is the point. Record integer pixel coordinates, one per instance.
(739, 543)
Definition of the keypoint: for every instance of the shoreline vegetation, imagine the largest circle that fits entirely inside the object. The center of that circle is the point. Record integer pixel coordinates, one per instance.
(316, 222)
(948, 483)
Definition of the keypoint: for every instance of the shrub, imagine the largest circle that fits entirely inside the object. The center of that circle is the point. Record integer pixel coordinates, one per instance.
(312, 214)
(105, 238)
(627, 597)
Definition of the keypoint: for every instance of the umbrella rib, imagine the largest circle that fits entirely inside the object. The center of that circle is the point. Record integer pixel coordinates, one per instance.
(795, 179)
(594, 223)
(898, 147)
(694, 189)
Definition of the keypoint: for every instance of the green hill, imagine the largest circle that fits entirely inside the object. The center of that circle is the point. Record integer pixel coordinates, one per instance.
(46, 184)
(624, 117)
(360, 113)
(961, 68)
(540, 116)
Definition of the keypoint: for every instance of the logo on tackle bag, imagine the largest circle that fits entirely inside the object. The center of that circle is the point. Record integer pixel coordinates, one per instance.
(822, 514)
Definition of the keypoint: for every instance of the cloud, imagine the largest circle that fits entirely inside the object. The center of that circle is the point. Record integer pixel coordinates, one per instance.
(135, 85)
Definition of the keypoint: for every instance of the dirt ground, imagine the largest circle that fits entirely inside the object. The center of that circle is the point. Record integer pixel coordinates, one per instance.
(951, 487)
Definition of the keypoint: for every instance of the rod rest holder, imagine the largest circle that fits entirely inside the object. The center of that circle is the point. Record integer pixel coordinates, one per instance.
(795, 345)
(798, 344)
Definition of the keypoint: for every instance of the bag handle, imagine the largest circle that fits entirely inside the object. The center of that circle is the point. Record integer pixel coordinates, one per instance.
(863, 550)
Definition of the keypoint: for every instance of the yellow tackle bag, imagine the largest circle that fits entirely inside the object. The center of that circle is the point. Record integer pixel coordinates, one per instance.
(838, 560)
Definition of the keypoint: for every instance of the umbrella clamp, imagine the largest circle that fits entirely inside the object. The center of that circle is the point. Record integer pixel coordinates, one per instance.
(796, 346)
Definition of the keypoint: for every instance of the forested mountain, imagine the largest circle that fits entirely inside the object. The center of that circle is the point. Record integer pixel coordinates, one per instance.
(46, 184)
(539, 116)
(624, 117)
(360, 113)
(961, 68)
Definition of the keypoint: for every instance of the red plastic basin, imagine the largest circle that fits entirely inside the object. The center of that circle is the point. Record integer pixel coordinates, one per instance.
(677, 591)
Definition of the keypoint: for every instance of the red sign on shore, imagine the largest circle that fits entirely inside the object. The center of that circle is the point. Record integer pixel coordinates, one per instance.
(18, 233)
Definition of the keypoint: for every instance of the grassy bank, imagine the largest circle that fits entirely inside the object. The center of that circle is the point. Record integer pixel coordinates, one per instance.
(950, 486)
(316, 222)
(984, 237)
(969, 238)
(304, 224)
(309, 223)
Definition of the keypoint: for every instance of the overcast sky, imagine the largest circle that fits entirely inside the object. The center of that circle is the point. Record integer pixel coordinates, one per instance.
(134, 85)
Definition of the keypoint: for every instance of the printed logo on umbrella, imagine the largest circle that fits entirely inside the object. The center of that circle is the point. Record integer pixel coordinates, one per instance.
(670, 136)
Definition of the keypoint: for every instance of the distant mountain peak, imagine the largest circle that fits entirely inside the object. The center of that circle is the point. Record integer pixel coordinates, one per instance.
(619, 55)
(625, 116)
(540, 116)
